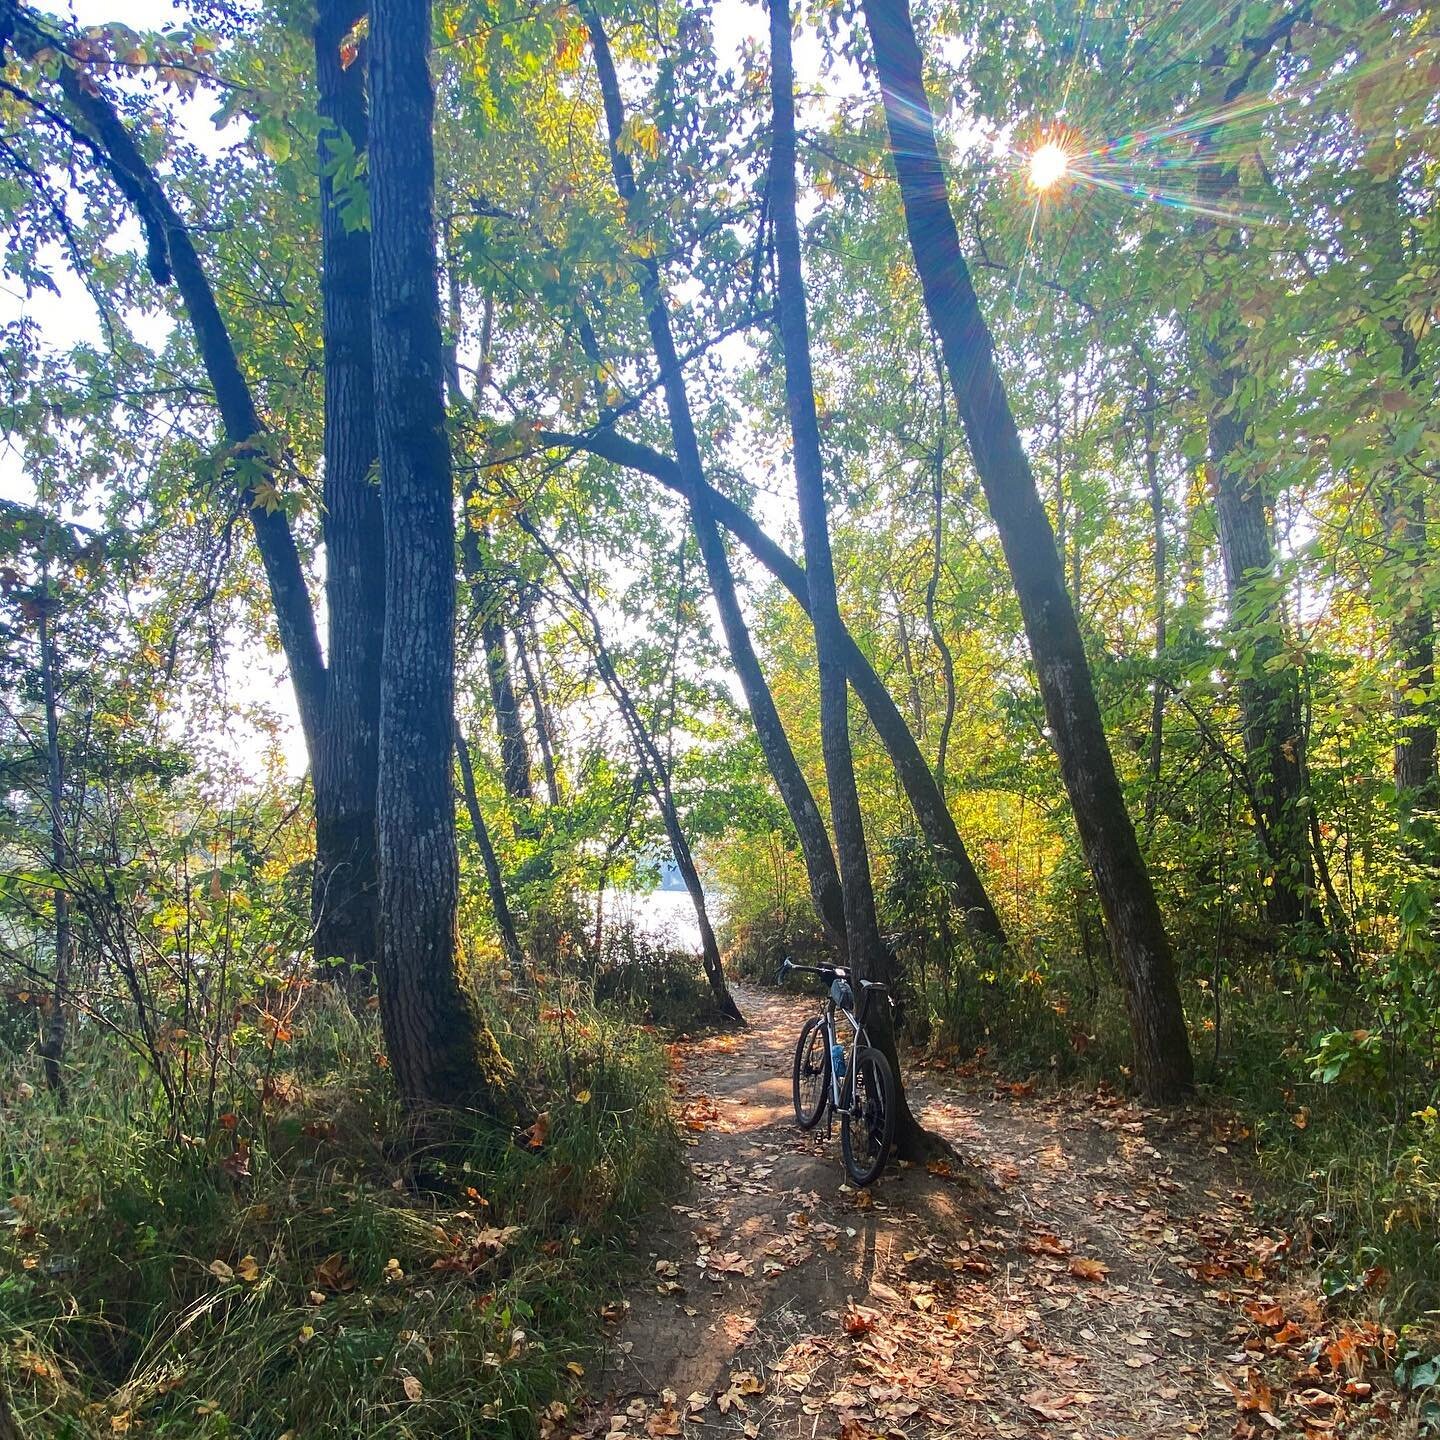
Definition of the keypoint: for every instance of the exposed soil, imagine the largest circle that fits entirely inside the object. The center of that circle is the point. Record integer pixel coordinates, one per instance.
(1088, 1269)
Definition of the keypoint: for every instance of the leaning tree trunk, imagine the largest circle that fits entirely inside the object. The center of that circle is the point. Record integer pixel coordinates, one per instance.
(431, 1029)
(869, 958)
(653, 766)
(966, 889)
(346, 904)
(789, 780)
(494, 878)
(1163, 1065)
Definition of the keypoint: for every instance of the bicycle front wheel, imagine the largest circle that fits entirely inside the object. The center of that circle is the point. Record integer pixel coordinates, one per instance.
(867, 1129)
(811, 1081)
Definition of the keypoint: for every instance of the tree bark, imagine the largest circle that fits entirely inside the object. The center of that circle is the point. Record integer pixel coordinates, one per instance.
(431, 1028)
(494, 879)
(345, 766)
(967, 891)
(1163, 1064)
(789, 780)
(869, 958)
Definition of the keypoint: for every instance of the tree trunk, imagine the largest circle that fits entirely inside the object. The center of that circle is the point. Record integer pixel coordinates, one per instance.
(1163, 1063)
(869, 958)
(539, 706)
(784, 768)
(52, 1046)
(171, 255)
(431, 1029)
(932, 591)
(967, 891)
(1159, 558)
(653, 767)
(345, 910)
(1269, 699)
(1417, 785)
(494, 880)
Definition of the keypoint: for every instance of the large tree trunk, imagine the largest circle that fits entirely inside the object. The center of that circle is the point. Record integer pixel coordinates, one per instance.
(431, 1029)
(869, 958)
(346, 905)
(784, 768)
(1163, 1065)
(342, 928)
(967, 891)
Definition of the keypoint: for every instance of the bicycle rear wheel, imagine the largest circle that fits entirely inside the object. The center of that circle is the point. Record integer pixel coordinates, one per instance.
(811, 1080)
(867, 1129)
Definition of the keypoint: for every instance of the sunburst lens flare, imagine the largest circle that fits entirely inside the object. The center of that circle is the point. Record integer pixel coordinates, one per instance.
(1049, 165)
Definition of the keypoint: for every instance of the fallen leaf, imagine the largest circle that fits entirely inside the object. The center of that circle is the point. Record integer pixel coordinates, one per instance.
(414, 1390)
(1083, 1268)
(221, 1271)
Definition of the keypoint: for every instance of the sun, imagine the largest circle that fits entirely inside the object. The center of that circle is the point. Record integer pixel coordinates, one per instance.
(1049, 165)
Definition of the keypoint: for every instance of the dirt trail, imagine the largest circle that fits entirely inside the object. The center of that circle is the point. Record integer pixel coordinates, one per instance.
(1066, 1285)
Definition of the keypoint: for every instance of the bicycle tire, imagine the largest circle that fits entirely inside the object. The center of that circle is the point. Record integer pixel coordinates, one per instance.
(815, 1068)
(866, 1153)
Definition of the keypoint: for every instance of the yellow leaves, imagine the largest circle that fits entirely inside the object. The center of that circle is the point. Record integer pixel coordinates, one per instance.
(742, 1383)
(639, 137)
(248, 1270)
(582, 1097)
(264, 496)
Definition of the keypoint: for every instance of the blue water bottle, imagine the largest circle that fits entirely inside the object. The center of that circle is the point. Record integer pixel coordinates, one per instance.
(837, 1060)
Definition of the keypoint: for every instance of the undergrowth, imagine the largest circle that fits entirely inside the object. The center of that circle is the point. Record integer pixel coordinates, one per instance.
(312, 1267)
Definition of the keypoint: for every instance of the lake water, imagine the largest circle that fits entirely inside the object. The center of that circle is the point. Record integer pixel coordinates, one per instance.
(664, 915)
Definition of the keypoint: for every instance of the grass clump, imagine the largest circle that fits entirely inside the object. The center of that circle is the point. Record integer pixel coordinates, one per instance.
(310, 1266)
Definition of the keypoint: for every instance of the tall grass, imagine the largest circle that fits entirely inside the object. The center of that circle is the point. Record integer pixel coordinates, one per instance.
(310, 1267)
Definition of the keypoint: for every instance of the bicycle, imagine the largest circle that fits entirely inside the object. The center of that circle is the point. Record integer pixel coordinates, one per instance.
(858, 1086)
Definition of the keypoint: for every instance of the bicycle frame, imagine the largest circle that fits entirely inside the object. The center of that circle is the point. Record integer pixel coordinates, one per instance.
(858, 1038)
